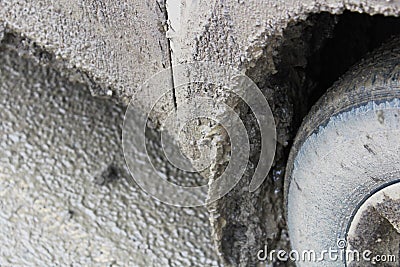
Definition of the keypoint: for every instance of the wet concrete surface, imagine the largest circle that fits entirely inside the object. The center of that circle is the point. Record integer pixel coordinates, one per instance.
(64, 194)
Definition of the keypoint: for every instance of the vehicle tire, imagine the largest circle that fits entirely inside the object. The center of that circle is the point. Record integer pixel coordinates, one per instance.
(347, 150)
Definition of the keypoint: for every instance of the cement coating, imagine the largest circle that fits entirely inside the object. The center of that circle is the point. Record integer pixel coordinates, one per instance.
(64, 196)
(115, 45)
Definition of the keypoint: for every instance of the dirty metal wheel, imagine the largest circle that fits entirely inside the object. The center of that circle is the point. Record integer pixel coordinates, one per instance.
(342, 180)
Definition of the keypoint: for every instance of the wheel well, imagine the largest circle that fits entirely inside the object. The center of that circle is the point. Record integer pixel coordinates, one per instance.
(310, 56)
(330, 45)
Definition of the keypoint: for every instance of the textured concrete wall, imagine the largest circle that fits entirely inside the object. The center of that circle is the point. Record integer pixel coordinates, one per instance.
(116, 45)
(246, 35)
(65, 199)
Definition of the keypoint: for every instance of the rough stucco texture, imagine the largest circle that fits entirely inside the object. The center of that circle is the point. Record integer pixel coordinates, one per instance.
(59, 203)
(237, 32)
(117, 43)
(241, 34)
(120, 43)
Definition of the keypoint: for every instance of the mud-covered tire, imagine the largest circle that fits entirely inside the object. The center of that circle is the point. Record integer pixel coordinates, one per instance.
(347, 148)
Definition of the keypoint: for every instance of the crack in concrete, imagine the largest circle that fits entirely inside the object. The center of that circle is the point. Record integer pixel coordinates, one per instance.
(169, 52)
